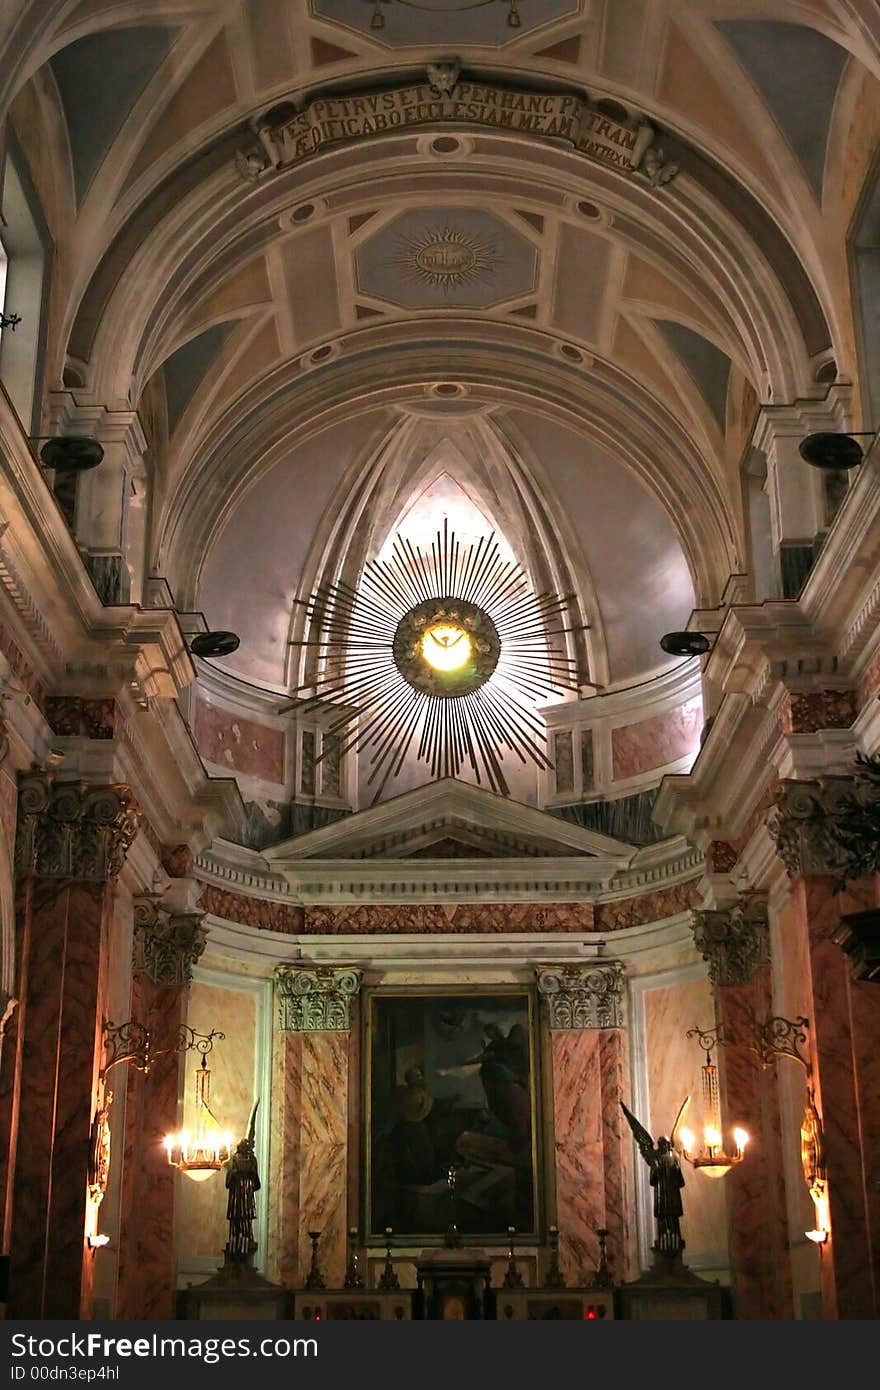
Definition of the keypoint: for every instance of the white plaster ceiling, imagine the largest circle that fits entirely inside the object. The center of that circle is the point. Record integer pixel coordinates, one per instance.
(274, 340)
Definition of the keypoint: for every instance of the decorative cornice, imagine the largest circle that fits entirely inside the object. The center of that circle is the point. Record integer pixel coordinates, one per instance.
(734, 940)
(830, 826)
(72, 829)
(316, 1000)
(584, 996)
(166, 945)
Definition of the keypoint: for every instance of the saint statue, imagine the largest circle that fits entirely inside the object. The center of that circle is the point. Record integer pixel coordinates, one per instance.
(667, 1181)
(242, 1182)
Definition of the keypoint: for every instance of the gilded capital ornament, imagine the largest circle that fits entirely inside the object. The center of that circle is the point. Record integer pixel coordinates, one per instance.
(72, 829)
(584, 996)
(316, 999)
(734, 940)
(166, 945)
(830, 826)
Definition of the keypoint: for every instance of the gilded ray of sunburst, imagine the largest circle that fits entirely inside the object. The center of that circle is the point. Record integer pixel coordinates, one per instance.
(445, 257)
(444, 654)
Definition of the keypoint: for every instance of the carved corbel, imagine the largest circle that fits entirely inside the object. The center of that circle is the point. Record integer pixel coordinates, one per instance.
(734, 940)
(72, 829)
(583, 996)
(166, 945)
(316, 999)
(830, 826)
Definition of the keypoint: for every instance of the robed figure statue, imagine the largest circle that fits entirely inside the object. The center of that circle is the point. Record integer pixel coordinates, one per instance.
(242, 1182)
(667, 1181)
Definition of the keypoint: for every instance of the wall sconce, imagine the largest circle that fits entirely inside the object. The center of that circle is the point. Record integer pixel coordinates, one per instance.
(712, 1159)
(128, 1042)
(784, 1037)
(205, 1152)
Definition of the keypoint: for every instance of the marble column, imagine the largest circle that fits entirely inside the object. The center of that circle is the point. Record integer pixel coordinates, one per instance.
(314, 1007)
(166, 946)
(827, 836)
(735, 942)
(585, 1009)
(71, 844)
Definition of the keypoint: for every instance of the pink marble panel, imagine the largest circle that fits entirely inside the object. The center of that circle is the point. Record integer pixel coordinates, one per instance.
(616, 1151)
(323, 1148)
(291, 1158)
(760, 1264)
(673, 1065)
(656, 741)
(848, 1293)
(242, 745)
(145, 1277)
(580, 1181)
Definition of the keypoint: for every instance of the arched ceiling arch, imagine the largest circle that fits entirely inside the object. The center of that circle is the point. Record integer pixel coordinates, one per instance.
(648, 322)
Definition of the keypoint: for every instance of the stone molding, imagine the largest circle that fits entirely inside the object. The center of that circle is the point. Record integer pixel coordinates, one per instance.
(831, 825)
(734, 940)
(584, 996)
(72, 829)
(166, 945)
(316, 1000)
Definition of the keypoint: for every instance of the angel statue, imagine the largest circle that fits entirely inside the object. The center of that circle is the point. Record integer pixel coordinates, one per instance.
(242, 1182)
(667, 1181)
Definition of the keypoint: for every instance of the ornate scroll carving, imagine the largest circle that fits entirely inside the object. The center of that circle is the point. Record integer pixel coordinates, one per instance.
(73, 830)
(166, 945)
(734, 940)
(584, 996)
(830, 826)
(316, 999)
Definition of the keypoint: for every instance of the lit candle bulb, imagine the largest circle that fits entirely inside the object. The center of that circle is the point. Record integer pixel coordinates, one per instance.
(740, 1138)
(687, 1140)
(712, 1137)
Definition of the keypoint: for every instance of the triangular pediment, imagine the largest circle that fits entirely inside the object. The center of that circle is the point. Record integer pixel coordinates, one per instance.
(451, 820)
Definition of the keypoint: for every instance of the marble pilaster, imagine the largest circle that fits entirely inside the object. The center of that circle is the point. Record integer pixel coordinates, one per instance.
(166, 946)
(314, 1014)
(72, 841)
(584, 1007)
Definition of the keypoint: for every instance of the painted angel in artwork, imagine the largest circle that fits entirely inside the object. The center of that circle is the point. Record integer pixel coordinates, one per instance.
(667, 1181)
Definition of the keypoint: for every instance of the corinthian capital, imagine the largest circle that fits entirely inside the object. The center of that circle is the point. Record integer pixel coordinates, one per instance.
(584, 996)
(166, 944)
(72, 829)
(830, 826)
(316, 999)
(734, 940)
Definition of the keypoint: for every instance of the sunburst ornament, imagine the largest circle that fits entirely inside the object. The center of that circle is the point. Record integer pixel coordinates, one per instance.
(446, 258)
(443, 654)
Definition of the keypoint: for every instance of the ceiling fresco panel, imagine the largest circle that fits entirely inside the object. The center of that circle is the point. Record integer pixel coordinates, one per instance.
(446, 258)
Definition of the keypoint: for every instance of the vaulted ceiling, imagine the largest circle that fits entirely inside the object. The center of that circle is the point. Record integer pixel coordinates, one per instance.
(590, 379)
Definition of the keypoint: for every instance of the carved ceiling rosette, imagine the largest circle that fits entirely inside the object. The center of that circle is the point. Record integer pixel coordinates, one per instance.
(74, 830)
(734, 940)
(584, 996)
(831, 826)
(316, 999)
(166, 945)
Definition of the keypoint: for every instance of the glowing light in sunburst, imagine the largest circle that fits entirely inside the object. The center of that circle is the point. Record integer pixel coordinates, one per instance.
(445, 258)
(443, 652)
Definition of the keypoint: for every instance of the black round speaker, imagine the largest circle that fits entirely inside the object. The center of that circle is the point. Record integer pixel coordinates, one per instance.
(214, 644)
(75, 454)
(685, 643)
(834, 452)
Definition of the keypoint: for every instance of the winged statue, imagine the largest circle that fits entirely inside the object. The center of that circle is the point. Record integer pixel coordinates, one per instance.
(666, 1179)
